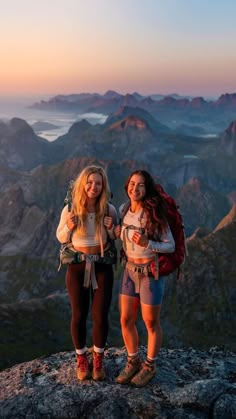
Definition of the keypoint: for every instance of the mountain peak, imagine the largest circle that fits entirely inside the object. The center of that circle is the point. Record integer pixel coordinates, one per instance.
(18, 124)
(79, 127)
(130, 121)
(231, 130)
(227, 99)
(195, 182)
(140, 114)
(228, 219)
(200, 232)
(198, 102)
(110, 94)
(228, 139)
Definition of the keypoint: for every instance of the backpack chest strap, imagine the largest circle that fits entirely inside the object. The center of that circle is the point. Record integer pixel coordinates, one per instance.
(125, 236)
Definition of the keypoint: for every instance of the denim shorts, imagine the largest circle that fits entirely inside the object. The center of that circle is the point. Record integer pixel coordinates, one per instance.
(151, 290)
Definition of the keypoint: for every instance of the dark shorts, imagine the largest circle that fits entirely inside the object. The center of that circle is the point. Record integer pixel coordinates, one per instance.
(150, 291)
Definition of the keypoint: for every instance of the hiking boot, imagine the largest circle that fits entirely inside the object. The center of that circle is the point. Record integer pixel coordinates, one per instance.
(83, 372)
(145, 374)
(133, 365)
(98, 369)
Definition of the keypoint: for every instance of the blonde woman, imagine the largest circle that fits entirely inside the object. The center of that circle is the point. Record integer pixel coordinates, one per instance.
(89, 226)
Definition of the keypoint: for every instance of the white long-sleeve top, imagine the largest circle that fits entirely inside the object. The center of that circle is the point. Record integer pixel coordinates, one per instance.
(63, 233)
(133, 250)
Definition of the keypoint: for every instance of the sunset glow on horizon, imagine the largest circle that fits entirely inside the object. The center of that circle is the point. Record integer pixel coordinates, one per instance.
(171, 46)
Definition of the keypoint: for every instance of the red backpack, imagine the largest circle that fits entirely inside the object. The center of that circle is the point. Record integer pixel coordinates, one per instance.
(169, 262)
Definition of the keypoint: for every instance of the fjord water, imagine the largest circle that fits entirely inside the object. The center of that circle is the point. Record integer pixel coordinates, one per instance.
(20, 107)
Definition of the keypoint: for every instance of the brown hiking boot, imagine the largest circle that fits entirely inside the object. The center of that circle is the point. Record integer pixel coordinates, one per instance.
(98, 369)
(133, 365)
(143, 377)
(83, 372)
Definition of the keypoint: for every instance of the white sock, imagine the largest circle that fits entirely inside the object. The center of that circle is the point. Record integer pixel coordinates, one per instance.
(81, 351)
(151, 360)
(98, 350)
(134, 355)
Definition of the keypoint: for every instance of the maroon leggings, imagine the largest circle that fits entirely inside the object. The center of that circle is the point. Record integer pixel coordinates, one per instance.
(80, 301)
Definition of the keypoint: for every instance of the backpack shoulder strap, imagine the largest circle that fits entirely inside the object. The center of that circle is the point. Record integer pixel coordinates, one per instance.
(107, 212)
(68, 198)
(123, 210)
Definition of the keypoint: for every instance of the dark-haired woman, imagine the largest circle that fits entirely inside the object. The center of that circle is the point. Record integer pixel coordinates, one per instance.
(145, 233)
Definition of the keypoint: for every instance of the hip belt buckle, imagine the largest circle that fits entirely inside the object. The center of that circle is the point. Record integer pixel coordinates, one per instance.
(89, 258)
(139, 269)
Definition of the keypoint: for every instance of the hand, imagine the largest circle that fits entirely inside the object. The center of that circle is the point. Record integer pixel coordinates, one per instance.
(117, 231)
(140, 239)
(72, 221)
(108, 222)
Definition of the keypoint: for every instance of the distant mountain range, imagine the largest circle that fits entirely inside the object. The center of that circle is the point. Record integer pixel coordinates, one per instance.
(130, 136)
(213, 114)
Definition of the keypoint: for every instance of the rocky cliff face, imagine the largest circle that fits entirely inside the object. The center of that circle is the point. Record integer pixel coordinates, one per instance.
(188, 384)
(20, 148)
(199, 307)
(210, 204)
(228, 141)
(228, 219)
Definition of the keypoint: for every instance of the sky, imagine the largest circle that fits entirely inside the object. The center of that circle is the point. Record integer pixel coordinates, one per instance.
(53, 47)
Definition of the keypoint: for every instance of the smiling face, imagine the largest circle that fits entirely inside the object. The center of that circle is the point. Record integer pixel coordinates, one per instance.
(136, 188)
(93, 187)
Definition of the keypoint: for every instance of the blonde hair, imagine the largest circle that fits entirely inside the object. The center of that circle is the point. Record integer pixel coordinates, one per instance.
(79, 199)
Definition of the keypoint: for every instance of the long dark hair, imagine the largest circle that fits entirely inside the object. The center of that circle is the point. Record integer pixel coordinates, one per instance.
(154, 205)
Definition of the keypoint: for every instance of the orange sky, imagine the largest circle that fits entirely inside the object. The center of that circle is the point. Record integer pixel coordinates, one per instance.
(68, 46)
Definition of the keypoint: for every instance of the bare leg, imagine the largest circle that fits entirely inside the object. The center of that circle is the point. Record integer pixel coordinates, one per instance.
(128, 315)
(151, 318)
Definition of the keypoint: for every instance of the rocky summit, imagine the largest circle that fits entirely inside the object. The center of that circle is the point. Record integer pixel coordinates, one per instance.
(188, 384)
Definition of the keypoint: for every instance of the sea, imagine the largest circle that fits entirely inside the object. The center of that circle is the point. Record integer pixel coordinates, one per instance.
(20, 107)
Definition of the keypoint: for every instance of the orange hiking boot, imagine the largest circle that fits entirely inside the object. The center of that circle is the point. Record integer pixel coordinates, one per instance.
(133, 365)
(145, 374)
(98, 369)
(83, 372)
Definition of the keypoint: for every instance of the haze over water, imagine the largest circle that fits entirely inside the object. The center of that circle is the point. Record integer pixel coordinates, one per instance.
(19, 107)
